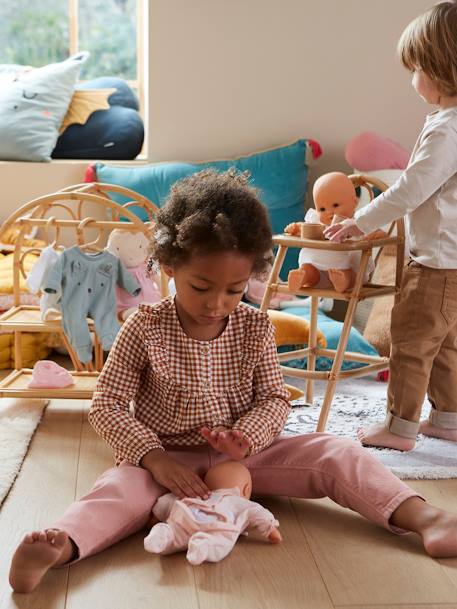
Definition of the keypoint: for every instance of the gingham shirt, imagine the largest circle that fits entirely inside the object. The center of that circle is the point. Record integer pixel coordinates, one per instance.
(178, 384)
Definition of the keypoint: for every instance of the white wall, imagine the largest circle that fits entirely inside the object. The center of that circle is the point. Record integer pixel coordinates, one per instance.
(228, 77)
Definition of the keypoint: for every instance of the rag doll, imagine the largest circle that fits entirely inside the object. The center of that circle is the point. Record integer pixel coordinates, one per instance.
(209, 528)
(132, 249)
(334, 199)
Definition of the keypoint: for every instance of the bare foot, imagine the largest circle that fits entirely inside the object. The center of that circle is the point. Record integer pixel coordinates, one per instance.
(438, 432)
(35, 555)
(304, 277)
(437, 528)
(379, 435)
(440, 537)
(341, 279)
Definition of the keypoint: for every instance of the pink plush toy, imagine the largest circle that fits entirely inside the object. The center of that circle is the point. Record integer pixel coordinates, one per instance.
(132, 249)
(369, 151)
(47, 373)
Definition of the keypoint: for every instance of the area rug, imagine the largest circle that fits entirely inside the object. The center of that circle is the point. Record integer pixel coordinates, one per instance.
(19, 419)
(430, 459)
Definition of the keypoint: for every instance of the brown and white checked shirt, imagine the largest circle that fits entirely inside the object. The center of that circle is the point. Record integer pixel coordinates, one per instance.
(179, 384)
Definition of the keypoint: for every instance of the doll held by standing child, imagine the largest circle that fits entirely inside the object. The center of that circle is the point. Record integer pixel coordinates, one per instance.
(334, 197)
(209, 528)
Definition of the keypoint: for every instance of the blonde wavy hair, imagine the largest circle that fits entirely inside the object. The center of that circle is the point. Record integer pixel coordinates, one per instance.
(429, 42)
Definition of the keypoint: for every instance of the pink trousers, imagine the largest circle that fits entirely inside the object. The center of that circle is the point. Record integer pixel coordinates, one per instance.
(308, 466)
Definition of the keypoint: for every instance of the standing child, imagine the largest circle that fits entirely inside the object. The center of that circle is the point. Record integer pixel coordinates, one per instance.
(203, 374)
(424, 322)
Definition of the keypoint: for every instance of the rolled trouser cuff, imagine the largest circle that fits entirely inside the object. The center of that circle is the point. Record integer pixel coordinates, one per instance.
(402, 427)
(445, 420)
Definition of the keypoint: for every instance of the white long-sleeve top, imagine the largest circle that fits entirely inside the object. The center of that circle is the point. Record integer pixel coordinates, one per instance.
(426, 193)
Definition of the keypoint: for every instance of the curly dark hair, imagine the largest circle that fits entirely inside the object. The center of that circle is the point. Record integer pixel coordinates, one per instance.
(211, 212)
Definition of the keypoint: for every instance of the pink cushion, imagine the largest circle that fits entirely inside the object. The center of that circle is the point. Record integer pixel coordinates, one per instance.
(369, 151)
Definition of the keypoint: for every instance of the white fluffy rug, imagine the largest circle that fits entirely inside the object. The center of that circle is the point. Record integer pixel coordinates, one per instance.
(18, 420)
(430, 459)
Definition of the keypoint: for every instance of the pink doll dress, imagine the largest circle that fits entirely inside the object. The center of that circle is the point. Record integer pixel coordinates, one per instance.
(150, 289)
(208, 528)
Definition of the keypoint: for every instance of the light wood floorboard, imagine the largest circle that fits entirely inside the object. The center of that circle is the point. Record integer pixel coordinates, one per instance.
(330, 557)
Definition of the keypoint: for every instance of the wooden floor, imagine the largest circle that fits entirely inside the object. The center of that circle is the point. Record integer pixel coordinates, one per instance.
(330, 557)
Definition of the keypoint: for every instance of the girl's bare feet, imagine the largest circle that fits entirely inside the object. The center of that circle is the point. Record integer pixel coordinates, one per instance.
(437, 528)
(438, 432)
(379, 435)
(35, 555)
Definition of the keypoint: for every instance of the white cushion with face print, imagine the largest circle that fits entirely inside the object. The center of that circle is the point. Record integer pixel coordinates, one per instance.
(33, 104)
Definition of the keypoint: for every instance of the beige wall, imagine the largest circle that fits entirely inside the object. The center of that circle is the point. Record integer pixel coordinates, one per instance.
(228, 77)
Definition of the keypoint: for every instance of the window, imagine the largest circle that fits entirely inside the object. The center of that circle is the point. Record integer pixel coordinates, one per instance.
(38, 33)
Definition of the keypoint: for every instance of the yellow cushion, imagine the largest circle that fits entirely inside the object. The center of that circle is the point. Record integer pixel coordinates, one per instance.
(292, 329)
(6, 272)
(34, 348)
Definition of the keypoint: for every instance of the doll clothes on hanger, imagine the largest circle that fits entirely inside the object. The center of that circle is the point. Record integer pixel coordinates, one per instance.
(86, 283)
(49, 303)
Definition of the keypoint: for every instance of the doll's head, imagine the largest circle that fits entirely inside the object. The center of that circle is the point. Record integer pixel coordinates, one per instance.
(334, 195)
(211, 212)
(130, 247)
(229, 474)
(428, 45)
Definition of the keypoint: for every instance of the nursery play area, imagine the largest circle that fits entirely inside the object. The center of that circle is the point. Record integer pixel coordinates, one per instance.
(189, 417)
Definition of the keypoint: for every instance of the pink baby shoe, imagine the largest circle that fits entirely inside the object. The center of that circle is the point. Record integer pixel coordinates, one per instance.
(47, 373)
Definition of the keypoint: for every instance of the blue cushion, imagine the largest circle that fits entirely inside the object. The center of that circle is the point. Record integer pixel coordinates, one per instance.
(332, 332)
(116, 134)
(32, 108)
(280, 174)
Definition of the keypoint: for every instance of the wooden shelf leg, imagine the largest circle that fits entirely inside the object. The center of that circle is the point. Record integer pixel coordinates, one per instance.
(72, 353)
(273, 278)
(339, 355)
(17, 350)
(312, 343)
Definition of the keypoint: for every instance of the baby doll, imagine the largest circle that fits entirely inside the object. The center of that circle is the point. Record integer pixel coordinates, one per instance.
(132, 249)
(209, 528)
(334, 197)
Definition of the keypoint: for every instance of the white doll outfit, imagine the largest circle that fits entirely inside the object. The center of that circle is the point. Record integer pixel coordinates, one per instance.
(323, 260)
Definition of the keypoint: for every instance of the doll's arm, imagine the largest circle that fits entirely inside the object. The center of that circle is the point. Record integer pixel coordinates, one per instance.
(263, 521)
(293, 229)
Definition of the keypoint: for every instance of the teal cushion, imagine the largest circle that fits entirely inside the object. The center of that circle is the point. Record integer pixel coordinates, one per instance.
(332, 332)
(280, 174)
(33, 104)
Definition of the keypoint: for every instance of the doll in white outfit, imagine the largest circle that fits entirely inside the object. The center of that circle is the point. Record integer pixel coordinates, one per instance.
(334, 197)
(209, 528)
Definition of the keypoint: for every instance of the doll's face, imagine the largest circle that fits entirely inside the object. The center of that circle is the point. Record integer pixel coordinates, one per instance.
(334, 194)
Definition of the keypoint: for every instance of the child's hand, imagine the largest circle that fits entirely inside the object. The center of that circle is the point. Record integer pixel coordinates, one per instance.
(344, 230)
(176, 477)
(227, 441)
